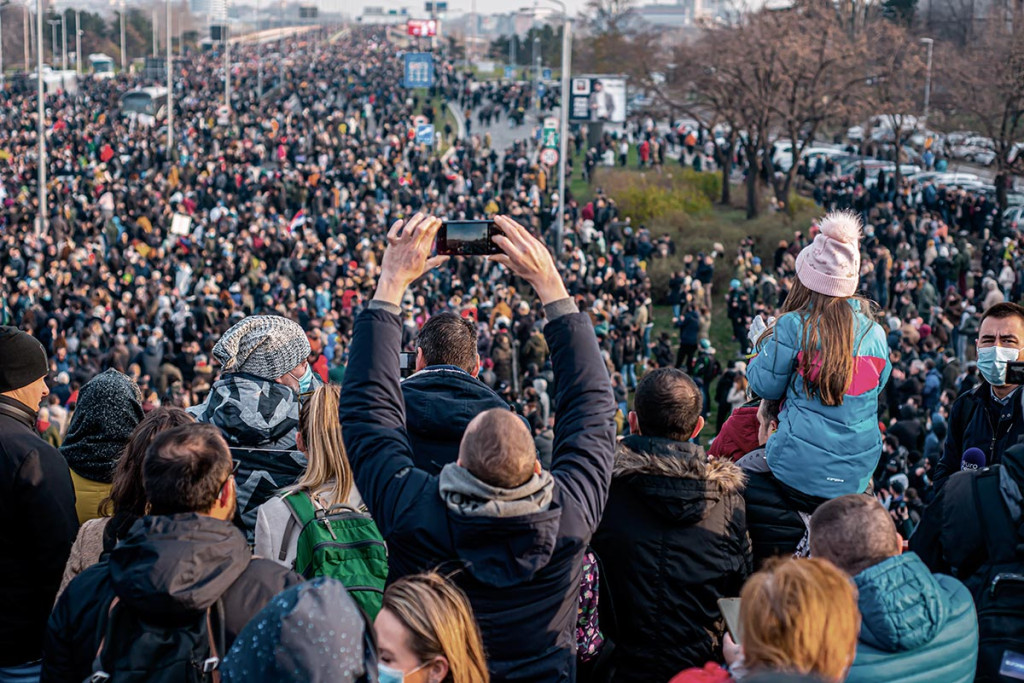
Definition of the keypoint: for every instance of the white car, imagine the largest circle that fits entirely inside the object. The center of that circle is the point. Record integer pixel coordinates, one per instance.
(1013, 217)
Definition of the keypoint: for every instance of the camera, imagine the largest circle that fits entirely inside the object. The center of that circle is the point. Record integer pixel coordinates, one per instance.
(1015, 372)
(467, 238)
(406, 364)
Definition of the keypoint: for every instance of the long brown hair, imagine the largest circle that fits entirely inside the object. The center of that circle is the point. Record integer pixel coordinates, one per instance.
(126, 492)
(328, 472)
(827, 340)
(440, 623)
(800, 615)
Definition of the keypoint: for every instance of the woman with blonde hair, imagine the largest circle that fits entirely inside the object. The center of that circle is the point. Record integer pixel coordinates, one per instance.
(797, 617)
(344, 543)
(426, 633)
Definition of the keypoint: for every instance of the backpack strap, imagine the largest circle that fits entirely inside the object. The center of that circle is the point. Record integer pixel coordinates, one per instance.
(215, 634)
(302, 511)
(997, 528)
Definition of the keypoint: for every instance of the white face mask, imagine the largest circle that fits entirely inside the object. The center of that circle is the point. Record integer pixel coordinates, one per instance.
(992, 362)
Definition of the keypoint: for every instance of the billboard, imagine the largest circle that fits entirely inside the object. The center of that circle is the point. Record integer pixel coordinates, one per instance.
(422, 27)
(598, 98)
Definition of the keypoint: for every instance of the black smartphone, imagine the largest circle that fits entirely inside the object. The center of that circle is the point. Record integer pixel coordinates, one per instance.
(1015, 372)
(406, 364)
(467, 238)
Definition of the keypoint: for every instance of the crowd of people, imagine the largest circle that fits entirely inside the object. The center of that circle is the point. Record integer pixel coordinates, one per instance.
(291, 442)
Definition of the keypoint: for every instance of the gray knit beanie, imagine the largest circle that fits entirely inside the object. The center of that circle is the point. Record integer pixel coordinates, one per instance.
(266, 346)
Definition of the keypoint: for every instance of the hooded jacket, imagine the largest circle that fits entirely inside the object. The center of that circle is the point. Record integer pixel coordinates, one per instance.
(167, 569)
(739, 434)
(673, 540)
(38, 524)
(440, 402)
(259, 420)
(916, 627)
(521, 573)
(311, 633)
(108, 411)
(823, 451)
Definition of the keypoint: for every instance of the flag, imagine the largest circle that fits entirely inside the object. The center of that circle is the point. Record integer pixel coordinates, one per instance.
(298, 221)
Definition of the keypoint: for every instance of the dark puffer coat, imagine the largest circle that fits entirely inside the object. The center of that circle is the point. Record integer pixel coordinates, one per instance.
(672, 541)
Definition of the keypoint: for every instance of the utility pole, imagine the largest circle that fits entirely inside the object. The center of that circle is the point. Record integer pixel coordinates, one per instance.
(259, 57)
(24, 26)
(152, 31)
(41, 124)
(227, 72)
(928, 78)
(1, 44)
(563, 136)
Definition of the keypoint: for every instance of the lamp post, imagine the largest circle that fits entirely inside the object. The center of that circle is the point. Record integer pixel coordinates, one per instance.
(124, 51)
(170, 85)
(78, 41)
(63, 41)
(53, 39)
(40, 124)
(930, 42)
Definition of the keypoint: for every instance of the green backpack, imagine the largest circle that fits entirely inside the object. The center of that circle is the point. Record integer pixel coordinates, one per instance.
(341, 543)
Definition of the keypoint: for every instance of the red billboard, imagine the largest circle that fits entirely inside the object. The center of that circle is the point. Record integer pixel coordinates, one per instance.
(422, 27)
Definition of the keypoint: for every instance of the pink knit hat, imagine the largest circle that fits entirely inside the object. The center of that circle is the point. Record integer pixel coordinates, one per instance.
(830, 264)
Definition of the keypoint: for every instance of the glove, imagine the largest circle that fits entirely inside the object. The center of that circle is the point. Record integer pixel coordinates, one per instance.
(757, 328)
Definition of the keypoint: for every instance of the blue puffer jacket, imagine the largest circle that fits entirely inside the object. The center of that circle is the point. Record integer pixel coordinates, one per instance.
(917, 627)
(824, 451)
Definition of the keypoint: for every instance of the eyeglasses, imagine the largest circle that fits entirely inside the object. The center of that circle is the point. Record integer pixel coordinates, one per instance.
(234, 470)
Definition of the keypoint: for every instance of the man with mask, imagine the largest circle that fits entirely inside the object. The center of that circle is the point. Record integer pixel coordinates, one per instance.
(991, 415)
(255, 404)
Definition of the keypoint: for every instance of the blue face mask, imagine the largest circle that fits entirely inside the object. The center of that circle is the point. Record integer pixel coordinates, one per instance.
(306, 381)
(386, 674)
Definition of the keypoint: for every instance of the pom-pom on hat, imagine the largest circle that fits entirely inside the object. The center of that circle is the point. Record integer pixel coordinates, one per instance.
(830, 264)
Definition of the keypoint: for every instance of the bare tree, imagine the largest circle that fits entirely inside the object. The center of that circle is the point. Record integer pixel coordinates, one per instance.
(988, 95)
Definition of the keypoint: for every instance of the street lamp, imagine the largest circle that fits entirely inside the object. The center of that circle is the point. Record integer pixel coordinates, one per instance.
(124, 51)
(563, 121)
(930, 42)
(53, 39)
(41, 125)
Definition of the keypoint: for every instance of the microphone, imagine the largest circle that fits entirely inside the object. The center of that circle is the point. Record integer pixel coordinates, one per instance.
(974, 459)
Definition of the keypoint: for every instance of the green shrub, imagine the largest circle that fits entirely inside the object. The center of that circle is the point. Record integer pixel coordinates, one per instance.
(709, 184)
(798, 205)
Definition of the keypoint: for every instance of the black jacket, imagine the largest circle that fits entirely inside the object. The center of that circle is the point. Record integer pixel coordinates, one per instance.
(673, 540)
(167, 568)
(38, 524)
(440, 402)
(521, 574)
(978, 420)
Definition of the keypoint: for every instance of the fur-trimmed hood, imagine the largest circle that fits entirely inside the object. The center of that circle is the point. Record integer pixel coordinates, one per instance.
(675, 477)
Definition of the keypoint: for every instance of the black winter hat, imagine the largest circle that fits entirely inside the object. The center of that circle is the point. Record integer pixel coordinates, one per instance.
(22, 359)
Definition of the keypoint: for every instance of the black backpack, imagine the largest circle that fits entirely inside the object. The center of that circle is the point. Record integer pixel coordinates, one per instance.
(136, 650)
(998, 584)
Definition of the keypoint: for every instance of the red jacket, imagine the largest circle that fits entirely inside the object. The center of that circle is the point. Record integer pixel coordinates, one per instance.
(738, 436)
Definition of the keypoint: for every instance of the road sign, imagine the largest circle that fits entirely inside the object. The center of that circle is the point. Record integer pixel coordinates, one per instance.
(546, 74)
(541, 89)
(549, 133)
(419, 70)
(425, 134)
(549, 156)
(510, 73)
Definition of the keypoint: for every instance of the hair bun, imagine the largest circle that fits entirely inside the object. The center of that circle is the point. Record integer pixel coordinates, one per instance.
(842, 226)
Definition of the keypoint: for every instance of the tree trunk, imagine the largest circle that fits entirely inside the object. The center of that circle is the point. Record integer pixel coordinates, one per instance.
(726, 155)
(753, 205)
(1001, 199)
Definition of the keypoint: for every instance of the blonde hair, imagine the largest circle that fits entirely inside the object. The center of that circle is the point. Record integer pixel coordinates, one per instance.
(826, 340)
(800, 615)
(440, 623)
(328, 471)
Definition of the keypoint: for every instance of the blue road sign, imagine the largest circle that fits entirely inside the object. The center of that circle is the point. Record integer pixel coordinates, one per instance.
(546, 74)
(425, 134)
(510, 73)
(419, 70)
(541, 89)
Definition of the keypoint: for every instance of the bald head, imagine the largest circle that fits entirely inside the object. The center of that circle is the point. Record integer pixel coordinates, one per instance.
(854, 532)
(498, 449)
